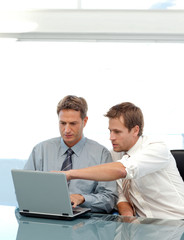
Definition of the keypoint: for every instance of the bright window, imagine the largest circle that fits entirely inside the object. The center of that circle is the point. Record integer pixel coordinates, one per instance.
(36, 75)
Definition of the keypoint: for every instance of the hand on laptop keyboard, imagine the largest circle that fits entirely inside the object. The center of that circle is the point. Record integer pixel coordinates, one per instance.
(76, 199)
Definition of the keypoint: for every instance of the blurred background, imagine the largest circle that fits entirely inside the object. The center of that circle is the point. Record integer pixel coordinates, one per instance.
(35, 75)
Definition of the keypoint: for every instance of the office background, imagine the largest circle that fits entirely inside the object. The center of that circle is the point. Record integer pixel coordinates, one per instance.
(139, 61)
(35, 75)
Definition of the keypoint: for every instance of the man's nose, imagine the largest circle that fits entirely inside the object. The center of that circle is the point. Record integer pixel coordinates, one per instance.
(112, 137)
(67, 128)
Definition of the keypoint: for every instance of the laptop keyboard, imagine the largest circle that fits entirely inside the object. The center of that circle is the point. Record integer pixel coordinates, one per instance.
(77, 210)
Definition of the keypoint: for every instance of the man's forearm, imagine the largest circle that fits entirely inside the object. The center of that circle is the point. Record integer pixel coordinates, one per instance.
(103, 172)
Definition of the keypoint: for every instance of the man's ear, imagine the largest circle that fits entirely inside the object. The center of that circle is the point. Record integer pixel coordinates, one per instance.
(136, 130)
(85, 121)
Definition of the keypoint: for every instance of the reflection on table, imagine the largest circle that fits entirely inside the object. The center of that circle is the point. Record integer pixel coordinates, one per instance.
(91, 227)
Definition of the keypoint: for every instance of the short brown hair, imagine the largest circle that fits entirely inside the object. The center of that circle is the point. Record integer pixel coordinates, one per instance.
(132, 115)
(74, 103)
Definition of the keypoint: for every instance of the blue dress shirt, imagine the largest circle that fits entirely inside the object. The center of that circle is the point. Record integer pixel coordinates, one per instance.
(50, 155)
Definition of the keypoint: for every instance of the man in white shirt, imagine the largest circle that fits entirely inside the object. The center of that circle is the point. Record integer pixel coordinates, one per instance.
(151, 186)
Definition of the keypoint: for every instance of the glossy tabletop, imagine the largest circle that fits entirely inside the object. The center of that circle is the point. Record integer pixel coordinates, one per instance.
(91, 227)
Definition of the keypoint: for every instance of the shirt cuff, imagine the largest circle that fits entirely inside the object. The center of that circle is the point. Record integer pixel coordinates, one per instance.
(121, 198)
(130, 167)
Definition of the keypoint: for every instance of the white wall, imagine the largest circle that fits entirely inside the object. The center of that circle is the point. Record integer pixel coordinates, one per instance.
(34, 76)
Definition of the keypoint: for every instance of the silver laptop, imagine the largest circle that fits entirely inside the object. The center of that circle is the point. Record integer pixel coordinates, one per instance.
(44, 194)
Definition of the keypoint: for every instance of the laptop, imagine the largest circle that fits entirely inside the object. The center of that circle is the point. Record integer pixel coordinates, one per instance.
(44, 194)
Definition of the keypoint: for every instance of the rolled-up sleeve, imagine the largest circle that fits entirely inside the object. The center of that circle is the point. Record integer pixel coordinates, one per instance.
(152, 157)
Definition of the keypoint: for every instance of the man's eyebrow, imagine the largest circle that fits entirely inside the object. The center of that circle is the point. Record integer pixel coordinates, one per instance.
(114, 129)
(68, 122)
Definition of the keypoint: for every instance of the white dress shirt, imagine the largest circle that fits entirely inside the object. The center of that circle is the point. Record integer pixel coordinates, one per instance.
(157, 189)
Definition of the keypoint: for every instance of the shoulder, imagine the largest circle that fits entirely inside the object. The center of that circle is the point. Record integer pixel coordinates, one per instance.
(99, 153)
(154, 145)
(92, 144)
(49, 142)
(152, 140)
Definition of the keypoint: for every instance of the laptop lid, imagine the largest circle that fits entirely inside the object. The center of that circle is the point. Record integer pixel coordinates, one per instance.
(44, 194)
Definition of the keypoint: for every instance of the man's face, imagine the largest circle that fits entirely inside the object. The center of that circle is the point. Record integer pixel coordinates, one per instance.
(122, 139)
(71, 126)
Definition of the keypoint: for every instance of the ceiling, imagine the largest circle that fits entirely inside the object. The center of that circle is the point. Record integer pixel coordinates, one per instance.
(93, 25)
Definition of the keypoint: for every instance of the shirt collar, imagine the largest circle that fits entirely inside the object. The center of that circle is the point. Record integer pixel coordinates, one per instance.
(77, 148)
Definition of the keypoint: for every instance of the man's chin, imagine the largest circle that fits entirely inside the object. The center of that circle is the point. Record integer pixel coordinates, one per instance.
(116, 149)
(68, 142)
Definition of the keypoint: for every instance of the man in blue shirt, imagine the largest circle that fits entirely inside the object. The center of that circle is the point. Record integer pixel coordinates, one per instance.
(51, 154)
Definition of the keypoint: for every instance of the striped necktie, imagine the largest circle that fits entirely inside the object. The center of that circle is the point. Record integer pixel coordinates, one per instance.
(67, 164)
(126, 189)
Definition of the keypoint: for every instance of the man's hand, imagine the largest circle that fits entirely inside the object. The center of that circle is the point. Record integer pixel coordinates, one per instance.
(125, 209)
(76, 199)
